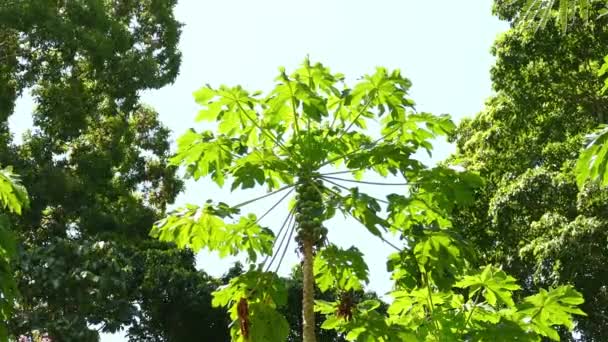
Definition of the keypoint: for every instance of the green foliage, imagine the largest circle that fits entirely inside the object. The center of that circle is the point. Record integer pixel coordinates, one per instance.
(13, 198)
(494, 285)
(198, 228)
(260, 293)
(591, 164)
(340, 269)
(311, 121)
(483, 310)
(593, 161)
(541, 11)
(530, 217)
(13, 195)
(550, 308)
(95, 163)
(174, 298)
(603, 72)
(366, 324)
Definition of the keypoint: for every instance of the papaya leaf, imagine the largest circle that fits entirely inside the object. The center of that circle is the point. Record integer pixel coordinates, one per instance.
(547, 309)
(494, 284)
(13, 195)
(336, 268)
(261, 293)
(593, 160)
(205, 228)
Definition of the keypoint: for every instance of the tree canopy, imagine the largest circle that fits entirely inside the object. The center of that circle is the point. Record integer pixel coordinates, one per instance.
(95, 163)
(531, 217)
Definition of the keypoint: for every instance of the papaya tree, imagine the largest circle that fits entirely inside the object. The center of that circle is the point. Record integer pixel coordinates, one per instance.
(312, 135)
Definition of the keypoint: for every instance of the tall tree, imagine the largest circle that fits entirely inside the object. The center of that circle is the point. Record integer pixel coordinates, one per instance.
(283, 141)
(593, 160)
(95, 161)
(287, 141)
(530, 217)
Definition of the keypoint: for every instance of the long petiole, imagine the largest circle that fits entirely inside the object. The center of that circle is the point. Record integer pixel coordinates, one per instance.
(287, 219)
(347, 189)
(293, 229)
(263, 196)
(274, 255)
(364, 182)
(264, 131)
(373, 144)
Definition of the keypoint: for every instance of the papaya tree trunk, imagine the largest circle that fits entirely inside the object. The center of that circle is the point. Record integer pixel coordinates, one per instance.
(308, 312)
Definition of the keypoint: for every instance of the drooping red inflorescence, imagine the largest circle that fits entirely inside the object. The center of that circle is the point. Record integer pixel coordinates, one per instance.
(345, 308)
(243, 313)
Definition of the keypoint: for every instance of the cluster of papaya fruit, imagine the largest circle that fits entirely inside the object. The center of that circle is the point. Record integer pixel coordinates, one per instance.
(310, 212)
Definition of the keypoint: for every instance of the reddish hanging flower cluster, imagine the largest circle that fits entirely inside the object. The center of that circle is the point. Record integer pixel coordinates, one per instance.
(345, 308)
(243, 312)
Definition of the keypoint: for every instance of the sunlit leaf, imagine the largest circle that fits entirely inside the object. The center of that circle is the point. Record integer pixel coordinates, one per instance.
(336, 268)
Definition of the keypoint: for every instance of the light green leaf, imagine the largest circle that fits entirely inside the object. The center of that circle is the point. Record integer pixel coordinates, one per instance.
(548, 309)
(204, 228)
(331, 322)
(13, 195)
(593, 160)
(336, 268)
(495, 285)
(267, 324)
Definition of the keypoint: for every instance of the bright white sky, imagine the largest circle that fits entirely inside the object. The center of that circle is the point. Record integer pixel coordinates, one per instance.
(441, 45)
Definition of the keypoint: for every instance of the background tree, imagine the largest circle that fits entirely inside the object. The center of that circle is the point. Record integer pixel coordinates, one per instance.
(530, 217)
(593, 160)
(174, 299)
(96, 164)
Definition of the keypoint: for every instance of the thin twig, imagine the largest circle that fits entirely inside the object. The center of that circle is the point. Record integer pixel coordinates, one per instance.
(333, 121)
(382, 237)
(356, 219)
(337, 172)
(356, 117)
(293, 108)
(470, 313)
(274, 206)
(264, 131)
(431, 306)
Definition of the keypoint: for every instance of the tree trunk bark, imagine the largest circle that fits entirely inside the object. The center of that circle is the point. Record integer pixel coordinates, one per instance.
(308, 297)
